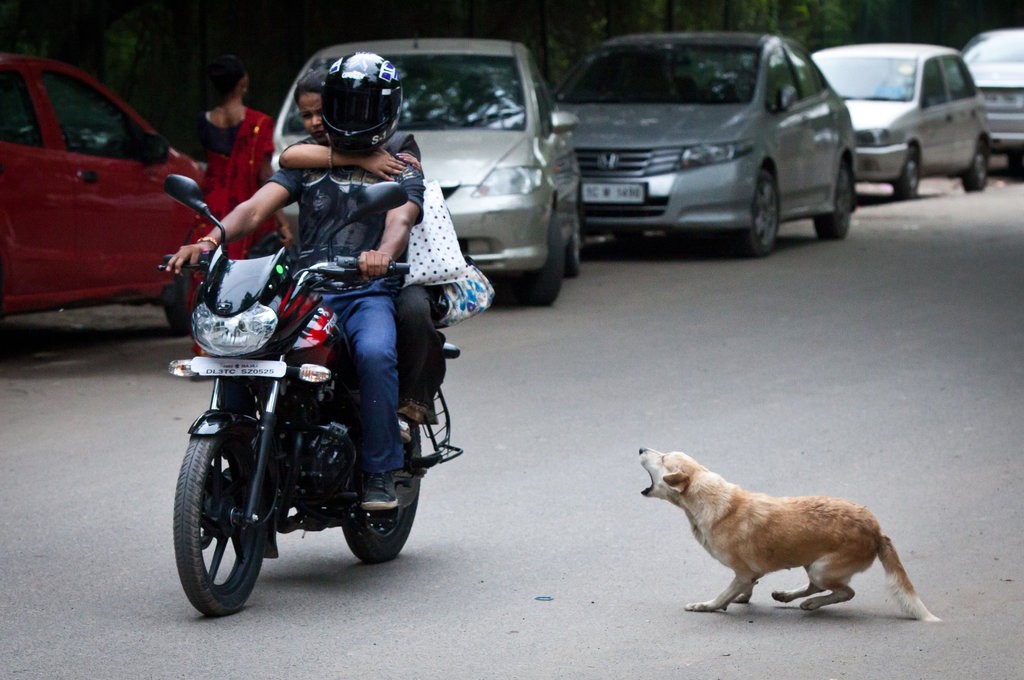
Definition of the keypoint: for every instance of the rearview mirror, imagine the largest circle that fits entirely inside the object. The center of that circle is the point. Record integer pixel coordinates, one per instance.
(563, 121)
(379, 197)
(785, 98)
(184, 190)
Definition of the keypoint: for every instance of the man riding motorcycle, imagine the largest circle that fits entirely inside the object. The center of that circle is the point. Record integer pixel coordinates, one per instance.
(361, 104)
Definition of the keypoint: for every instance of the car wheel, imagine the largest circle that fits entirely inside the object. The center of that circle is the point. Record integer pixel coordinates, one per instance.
(836, 224)
(759, 239)
(905, 187)
(976, 176)
(573, 248)
(541, 288)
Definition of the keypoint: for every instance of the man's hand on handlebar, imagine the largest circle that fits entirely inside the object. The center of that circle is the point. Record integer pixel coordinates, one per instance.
(188, 254)
(373, 264)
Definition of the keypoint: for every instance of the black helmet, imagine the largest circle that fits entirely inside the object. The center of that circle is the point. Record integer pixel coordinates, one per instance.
(362, 100)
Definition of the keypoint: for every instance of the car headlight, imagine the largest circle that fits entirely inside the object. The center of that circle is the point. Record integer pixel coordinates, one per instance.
(875, 137)
(232, 336)
(708, 154)
(519, 180)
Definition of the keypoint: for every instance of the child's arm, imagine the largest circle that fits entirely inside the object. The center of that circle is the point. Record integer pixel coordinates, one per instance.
(379, 162)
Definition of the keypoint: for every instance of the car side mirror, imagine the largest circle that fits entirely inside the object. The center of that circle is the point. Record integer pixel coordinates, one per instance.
(155, 149)
(784, 99)
(563, 121)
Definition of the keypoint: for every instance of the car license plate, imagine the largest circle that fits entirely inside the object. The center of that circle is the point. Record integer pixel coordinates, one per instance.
(613, 193)
(238, 368)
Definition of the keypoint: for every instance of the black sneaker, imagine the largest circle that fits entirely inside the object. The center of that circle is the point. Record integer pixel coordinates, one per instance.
(379, 492)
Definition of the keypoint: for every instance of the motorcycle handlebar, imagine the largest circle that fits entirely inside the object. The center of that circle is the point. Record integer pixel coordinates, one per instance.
(347, 268)
(342, 267)
(204, 262)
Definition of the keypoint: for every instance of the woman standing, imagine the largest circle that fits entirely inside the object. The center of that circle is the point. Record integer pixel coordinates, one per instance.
(239, 144)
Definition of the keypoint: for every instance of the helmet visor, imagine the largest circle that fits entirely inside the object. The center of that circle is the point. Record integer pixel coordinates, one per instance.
(359, 109)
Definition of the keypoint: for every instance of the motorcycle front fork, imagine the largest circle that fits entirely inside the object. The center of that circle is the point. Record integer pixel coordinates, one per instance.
(268, 422)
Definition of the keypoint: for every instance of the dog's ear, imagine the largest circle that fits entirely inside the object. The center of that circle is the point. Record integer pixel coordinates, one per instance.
(677, 480)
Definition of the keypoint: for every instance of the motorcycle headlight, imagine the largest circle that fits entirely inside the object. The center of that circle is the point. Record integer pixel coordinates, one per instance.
(232, 336)
(707, 154)
(519, 180)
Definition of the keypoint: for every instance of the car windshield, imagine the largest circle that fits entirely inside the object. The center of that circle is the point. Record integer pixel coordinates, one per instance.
(675, 74)
(997, 47)
(871, 78)
(452, 91)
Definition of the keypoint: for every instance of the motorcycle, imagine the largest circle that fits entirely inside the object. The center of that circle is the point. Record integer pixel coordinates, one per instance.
(277, 450)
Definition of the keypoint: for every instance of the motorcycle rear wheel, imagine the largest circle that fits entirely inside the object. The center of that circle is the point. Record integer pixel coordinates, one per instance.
(378, 537)
(218, 557)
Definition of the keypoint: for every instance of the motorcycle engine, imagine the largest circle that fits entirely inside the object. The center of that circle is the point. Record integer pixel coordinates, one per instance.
(331, 457)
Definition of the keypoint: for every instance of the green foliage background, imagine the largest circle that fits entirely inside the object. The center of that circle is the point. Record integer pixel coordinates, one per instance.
(152, 51)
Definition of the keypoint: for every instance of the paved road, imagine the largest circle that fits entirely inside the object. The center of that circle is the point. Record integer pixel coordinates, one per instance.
(887, 368)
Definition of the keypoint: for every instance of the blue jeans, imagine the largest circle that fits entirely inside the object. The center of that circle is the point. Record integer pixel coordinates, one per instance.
(367, 316)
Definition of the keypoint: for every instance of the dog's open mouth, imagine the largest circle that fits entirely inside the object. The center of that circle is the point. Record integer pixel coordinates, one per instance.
(649, 488)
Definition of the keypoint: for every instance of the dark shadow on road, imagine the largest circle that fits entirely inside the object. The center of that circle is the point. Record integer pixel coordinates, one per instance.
(45, 335)
(870, 194)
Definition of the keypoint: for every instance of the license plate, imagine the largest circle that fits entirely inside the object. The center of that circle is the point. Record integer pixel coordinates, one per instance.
(238, 368)
(1005, 99)
(613, 193)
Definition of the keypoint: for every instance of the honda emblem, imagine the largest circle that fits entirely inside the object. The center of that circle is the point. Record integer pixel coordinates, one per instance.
(608, 161)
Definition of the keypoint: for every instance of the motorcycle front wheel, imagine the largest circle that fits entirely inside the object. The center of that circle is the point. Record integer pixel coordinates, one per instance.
(218, 556)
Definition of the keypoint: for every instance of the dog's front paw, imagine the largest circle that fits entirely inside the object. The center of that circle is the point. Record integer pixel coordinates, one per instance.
(783, 596)
(702, 607)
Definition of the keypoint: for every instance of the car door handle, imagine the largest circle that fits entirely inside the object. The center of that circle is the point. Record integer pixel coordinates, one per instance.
(88, 176)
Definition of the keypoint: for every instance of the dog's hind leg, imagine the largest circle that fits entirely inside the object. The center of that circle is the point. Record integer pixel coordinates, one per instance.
(737, 588)
(790, 595)
(833, 573)
(840, 593)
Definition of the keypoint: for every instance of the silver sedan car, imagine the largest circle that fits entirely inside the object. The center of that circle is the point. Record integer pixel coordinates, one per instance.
(996, 60)
(916, 111)
(698, 132)
(488, 132)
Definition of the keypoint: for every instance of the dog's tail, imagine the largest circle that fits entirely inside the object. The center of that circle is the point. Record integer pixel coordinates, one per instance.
(899, 582)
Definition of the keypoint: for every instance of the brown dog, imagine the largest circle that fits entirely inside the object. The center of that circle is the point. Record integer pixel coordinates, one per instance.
(755, 534)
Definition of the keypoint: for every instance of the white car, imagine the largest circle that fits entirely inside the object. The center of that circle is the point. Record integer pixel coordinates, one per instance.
(916, 112)
(488, 132)
(996, 60)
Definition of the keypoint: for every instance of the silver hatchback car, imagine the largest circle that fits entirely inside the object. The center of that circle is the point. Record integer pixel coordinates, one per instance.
(916, 111)
(488, 132)
(697, 132)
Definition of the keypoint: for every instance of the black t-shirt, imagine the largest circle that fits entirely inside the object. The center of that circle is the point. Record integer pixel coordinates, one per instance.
(217, 139)
(325, 200)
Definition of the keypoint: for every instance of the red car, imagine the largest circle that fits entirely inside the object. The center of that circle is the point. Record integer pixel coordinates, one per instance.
(83, 216)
